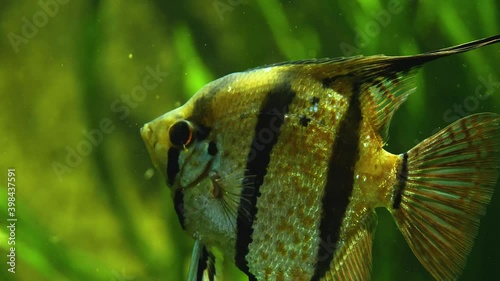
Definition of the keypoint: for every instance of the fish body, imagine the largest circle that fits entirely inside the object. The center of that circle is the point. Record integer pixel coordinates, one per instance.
(280, 168)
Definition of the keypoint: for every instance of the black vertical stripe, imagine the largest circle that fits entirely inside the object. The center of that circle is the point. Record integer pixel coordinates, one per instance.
(179, 206)
(172, 171)
(339, 184)
(203, 104)
(402, 177)
(269, 121)
(172, 165)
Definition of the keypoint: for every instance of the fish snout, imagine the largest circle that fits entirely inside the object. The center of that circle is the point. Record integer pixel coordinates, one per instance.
(157, 152)
(146, 134)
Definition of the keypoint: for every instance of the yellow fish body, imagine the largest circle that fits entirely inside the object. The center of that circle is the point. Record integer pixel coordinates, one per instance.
(280, 169)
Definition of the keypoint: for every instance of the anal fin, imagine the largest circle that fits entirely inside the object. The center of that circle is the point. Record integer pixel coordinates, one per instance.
(353, 261)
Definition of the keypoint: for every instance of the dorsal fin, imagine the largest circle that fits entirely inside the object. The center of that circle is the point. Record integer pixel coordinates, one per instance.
(380, 65)
(386, 81)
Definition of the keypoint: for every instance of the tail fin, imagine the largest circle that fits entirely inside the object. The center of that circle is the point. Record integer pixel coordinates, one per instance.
(444, 186)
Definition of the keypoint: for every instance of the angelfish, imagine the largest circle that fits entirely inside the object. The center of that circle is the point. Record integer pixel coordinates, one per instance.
(279, 169)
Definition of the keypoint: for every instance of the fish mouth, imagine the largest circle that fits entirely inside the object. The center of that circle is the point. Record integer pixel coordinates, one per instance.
(157, 152)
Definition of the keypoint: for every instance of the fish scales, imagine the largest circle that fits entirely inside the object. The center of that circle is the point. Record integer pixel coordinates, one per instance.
(296, 228)
(280, 168)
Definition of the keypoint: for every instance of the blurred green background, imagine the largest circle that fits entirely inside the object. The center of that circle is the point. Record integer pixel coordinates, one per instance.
(74, 95)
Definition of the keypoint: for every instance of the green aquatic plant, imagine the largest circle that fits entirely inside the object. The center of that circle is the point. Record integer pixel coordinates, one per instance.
(101, 218)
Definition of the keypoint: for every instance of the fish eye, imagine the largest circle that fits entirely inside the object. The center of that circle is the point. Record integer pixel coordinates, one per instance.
(181, 133)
